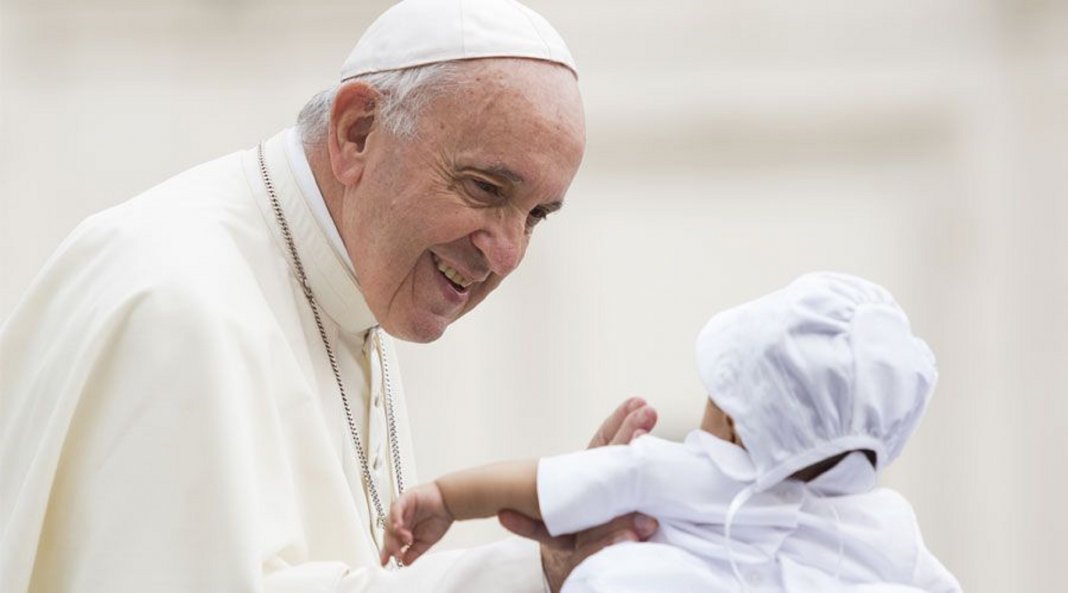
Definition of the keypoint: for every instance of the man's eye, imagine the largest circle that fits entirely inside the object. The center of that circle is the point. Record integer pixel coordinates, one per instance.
(536, 215)
(486, 187)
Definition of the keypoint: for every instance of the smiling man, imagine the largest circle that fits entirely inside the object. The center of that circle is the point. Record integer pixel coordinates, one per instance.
(199, 391)
(435, 217)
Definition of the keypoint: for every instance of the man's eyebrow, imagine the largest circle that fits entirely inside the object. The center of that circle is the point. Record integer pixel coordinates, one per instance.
(553, 206)
(501, 172)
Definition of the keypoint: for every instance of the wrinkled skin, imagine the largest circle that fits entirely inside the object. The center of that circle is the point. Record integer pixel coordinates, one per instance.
(491, 158)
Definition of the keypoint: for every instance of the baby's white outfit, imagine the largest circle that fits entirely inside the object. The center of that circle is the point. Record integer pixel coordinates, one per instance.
(825, 366)
(783, 539)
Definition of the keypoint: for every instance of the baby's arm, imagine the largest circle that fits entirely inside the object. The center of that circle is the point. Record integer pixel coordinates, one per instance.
(420, 518)
(487, 490)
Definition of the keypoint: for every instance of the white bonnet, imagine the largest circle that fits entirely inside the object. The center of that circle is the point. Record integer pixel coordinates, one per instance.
(826, 365)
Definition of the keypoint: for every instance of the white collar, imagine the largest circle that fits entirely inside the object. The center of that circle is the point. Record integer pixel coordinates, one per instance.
(333, 283)
(298, 163)
(733, 460)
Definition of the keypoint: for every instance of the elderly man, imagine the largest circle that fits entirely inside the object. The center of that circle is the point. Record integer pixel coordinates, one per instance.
(198, 392)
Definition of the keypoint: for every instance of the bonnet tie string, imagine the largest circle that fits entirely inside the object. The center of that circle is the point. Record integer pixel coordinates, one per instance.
(809, 494)
(739, 499)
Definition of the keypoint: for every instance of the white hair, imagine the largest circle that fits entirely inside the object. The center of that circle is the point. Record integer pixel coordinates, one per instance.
(404, 94)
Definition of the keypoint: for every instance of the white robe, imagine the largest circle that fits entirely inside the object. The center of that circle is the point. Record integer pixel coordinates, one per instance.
(169, 420)
(782, 540)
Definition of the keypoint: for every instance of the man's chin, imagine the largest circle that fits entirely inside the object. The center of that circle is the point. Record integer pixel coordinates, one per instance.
(420, 331)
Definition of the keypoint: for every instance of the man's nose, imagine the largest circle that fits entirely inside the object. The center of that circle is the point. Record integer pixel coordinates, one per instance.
(502, 244)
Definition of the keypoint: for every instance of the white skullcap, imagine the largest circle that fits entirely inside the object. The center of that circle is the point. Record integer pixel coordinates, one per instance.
(419, 32)
(826, 365)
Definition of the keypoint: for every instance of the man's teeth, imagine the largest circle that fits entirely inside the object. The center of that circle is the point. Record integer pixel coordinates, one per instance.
(452, 274)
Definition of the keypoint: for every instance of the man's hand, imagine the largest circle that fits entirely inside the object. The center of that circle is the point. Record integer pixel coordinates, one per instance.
(417, 520)
(629, 421)
(560, 555)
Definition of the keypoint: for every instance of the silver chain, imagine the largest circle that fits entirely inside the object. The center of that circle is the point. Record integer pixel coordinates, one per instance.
(391, 422)
(391, 419)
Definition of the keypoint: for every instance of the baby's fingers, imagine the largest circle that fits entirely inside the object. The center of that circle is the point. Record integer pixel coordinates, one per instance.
(396, 539)
(415, 551)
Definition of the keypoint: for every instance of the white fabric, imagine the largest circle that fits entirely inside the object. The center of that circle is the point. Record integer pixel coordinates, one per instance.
(419, 32)
(826, 365)
(783, 540)
(298, 163)
(169, 421)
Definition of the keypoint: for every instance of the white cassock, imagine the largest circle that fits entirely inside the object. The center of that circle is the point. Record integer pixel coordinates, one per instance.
(783, 540)
(169, 418)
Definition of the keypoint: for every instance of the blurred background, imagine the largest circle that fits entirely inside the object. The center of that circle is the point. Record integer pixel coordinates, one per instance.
(733, 145)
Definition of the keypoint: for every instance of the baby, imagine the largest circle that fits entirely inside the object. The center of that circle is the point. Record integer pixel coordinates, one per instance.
(813, 391)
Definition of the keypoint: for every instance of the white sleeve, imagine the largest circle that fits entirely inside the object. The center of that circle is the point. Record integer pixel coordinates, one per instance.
(660, 478)
(587, 488)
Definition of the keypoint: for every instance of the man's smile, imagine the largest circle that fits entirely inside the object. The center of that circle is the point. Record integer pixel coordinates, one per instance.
(458, 280)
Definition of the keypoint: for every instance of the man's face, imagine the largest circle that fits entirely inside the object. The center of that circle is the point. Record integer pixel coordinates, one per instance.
(437, 221)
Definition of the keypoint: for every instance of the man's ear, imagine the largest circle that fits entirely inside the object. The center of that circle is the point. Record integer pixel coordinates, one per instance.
(352, 124)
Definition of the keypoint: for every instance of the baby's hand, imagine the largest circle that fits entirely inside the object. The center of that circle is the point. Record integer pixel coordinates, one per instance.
(417, 520)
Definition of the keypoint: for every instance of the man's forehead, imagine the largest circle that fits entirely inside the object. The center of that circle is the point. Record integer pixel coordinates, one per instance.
(492, 79)
(525, 135)
(511, 120)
